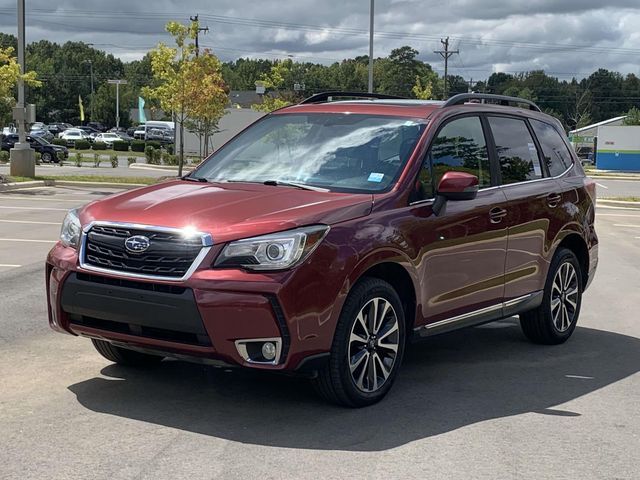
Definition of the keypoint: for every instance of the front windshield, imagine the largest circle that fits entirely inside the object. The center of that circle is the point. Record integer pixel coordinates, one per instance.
(341, 152)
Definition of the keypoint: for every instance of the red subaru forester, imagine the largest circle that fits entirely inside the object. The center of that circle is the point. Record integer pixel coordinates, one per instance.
(328, 234)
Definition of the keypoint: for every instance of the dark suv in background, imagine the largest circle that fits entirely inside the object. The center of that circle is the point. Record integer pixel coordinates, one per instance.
(328, 234)
(49, 153)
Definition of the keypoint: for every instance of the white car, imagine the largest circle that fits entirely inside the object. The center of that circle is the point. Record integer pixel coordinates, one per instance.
(71, 135)
(107, 138)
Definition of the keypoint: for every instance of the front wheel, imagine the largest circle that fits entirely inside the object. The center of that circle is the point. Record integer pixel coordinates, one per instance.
(46, 157)
(555, 319)
(367, 347)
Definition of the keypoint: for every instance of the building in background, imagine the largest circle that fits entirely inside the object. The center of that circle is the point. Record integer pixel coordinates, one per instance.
(584, 140)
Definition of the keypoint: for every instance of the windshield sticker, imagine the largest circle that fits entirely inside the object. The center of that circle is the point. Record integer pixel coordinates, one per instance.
(376, 177)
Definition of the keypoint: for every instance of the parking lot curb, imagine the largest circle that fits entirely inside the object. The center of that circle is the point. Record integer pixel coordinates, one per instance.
(7, 187)
(164, 168)
(617, 203)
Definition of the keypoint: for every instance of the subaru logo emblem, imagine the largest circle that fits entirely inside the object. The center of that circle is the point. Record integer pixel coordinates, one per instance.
(137, 244)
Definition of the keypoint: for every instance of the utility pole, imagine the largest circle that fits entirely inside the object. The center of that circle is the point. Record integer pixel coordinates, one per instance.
(370, 89)
(203, 29)
(23, 163)
(446, 54)
(117, 83)
(92, 90)
(470, 90)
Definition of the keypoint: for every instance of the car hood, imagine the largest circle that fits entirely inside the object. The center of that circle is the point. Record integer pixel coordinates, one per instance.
(227, 211)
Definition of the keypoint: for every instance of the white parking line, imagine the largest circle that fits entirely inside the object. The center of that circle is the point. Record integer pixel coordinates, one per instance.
(52, 199)
(616, 215)
(35, 208)
(26, 240)
(8, 265)
(602, 186)
(31, 222)
(624, 225)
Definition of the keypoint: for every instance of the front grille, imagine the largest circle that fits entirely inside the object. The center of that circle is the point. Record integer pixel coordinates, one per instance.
(169, 254)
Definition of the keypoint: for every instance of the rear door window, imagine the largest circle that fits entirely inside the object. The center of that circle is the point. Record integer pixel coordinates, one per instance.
(517, 152)
(554, 151)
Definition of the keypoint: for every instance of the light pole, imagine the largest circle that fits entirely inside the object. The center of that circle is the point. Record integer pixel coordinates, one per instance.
(92, 91)
(117, 83)
(23, 162)
(370, 90)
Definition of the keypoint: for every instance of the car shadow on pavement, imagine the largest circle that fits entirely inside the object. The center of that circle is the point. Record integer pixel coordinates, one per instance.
(446, 383)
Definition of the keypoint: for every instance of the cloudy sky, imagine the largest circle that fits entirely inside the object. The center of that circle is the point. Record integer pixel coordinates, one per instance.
(564, 37)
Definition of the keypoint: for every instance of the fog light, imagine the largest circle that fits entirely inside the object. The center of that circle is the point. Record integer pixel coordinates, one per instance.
(269, 351)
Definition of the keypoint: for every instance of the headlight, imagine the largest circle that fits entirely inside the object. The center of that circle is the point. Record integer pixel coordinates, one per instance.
(277, 251)
(71, 229)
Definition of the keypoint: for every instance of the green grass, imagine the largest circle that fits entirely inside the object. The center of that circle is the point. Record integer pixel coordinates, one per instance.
(88, 178)
(90, 153)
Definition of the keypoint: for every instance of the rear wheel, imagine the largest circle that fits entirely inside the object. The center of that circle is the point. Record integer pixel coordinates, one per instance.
(122, 356)
(367, 347)
(555, 319)
(46, 157)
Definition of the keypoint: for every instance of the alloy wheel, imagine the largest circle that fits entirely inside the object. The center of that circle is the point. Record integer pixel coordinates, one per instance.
(564, 296)
(373, 345)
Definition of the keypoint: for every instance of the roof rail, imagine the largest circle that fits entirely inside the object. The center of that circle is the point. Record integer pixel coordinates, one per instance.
(500, 99)
(327, 96)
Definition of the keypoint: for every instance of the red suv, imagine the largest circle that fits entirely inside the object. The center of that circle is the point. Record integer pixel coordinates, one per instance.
(327, 235)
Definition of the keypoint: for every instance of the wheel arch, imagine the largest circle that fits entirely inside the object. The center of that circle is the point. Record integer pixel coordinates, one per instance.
(574, 242)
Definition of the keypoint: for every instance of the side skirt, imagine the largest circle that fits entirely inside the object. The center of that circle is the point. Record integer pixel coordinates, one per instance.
(484, 315)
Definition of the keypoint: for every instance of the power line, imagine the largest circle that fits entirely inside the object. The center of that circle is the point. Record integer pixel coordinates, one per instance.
(446, 54)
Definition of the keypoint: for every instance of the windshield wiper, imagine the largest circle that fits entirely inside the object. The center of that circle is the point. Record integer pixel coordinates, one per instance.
(194, 179)
(301, 186)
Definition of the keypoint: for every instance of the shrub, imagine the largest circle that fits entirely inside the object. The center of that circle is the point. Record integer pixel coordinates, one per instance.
(148, 153)
(99, 146)
(155, 144)
(169, 159)
(131, 160)
(4, 157)
(77, 159)
(137, 146)
(170, 148)
(121, 146)
(96, 160)
(157, 155)
(59, 141)
(114, 160)
(82, 145)
(38, 158)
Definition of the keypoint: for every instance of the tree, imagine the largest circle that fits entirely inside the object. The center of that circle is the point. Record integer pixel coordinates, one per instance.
(633, 117)
(422, 92)
(9, 76)
(273, 82)
(181, 75)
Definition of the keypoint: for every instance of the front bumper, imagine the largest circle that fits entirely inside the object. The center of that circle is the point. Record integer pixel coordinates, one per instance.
(204, 318)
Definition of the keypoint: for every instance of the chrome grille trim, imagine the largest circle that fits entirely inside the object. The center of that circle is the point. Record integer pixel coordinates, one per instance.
(206, 241)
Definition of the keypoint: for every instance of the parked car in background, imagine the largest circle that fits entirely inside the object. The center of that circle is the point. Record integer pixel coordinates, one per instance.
(327, 235)
(90, 131)
(9, 129)
(45, 133)
(107, 138)
(38, 126)
(72, 134)
(161, 135)
(56, 128)
(140, 132)
(48, 152)
(98, 126)
(131, 130)
(125, 137)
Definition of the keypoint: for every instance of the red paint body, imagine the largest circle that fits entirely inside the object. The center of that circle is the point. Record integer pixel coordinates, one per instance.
(454, 263)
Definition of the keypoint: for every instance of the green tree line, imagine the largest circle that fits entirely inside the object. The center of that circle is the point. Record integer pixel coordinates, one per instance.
(64, 71)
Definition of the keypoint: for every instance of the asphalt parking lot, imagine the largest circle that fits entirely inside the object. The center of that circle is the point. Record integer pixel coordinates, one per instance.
(476, 404)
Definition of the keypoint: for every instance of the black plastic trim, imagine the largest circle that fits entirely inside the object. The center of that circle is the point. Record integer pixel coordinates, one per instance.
(282, 325)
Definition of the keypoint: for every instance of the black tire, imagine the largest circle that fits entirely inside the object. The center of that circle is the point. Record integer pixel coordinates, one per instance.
(122, 356)
(46, 157)
(335, 381)
(538, 325)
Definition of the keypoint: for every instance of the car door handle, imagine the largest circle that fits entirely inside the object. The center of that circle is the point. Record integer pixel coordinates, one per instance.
(496, 214)
(553, 199)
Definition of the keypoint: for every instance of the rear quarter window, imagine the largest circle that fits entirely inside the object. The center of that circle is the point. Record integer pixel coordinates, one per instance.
(555, 152)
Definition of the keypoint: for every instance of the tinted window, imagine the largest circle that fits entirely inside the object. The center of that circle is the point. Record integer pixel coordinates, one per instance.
(555, 152)
(516, 149)
(460, 146)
